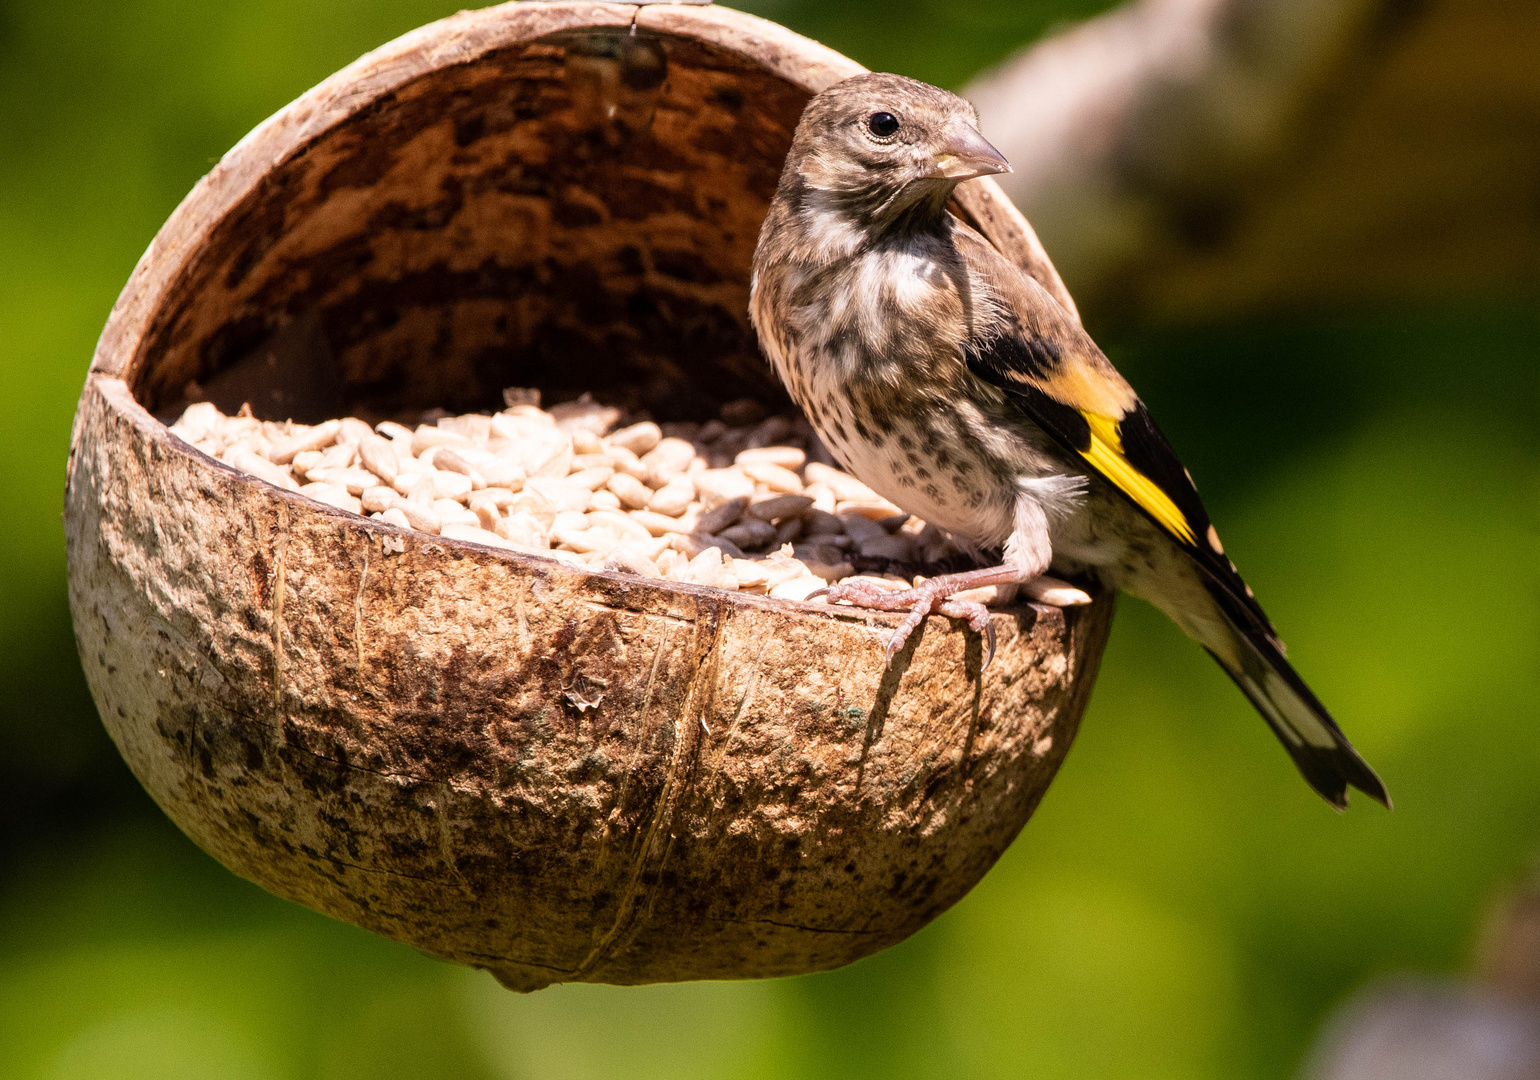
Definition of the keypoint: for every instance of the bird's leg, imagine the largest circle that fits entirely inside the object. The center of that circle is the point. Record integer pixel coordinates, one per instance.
(938, 595)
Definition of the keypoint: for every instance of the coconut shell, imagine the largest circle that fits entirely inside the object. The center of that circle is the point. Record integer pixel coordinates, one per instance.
(554, 774)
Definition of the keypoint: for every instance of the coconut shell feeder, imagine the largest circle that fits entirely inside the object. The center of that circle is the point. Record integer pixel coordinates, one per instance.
(554, 774)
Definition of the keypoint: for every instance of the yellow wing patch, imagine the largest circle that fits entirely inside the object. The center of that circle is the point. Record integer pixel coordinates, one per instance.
(1105, 455)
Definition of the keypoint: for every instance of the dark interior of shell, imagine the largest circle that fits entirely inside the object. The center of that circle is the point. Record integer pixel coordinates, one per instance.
(577, 213)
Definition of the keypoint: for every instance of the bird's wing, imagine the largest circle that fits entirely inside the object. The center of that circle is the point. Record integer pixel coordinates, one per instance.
(1051, 369)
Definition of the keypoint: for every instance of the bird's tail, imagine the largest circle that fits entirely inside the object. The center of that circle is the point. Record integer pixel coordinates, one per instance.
(1253, 657)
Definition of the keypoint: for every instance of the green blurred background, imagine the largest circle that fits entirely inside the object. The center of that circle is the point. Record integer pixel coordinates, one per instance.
(1181, 906)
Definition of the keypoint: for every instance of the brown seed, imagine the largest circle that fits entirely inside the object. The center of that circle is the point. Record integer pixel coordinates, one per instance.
(820, 523)
(742, 412)
(895, 548)
(789, 530)
(749, 534)
(780, 506)
(722, 515)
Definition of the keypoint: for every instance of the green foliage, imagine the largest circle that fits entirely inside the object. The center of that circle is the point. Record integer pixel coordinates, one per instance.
(1181, 906)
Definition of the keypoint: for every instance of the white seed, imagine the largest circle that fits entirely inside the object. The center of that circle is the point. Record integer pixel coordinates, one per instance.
(553, 458)
(667, 460)
(534, 505)
(306, 460)
(673, 498)
(584, 414)
(449, 485)
(449, 460)
(823, 498)
(781, 566)
(457, 530)
(593, 479)
(474, 426)
(354, 431)
(338, 455)
(569, 519)
(603, 500)
(502, 473)
(561, 493)
(379, 457)
(772, 476)
(501, 496)
(621, 525)
(844, 486)
(719, 485)
(332, 495)
(408, 481)
(750, 574)
(984, 594)
(354, 480)
(875, 509)
(705, 568)
(484, 508)
(581, 461)
(248, 462)
(426, 436)
(523, 529)
(198, 421)
(393, 431)
(661, 524)
(586, 540)
(396, 516)
(378, 498)
(302, 438)
(787, 457)
(798, 588)
(638, 438)
(632, 493)
(586, 443)
(449, 510)
(624, 461)
(628, 558)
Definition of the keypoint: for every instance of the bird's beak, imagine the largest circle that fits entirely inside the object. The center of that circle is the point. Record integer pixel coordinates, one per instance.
(967, 154)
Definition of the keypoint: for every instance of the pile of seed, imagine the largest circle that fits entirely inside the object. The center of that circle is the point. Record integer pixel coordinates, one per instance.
(745, 501)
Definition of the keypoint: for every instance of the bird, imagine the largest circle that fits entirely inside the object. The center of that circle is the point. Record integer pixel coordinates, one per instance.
(953, 384)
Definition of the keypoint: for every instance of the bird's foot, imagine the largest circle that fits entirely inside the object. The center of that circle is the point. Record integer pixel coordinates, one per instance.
(938, 595)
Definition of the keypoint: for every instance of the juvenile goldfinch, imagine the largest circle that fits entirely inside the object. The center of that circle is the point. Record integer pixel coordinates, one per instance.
(953, 384)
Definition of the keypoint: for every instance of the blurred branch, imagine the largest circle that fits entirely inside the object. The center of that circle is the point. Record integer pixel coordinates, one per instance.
(1191, 158)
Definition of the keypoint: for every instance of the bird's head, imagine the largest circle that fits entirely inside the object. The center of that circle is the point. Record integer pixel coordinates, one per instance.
(881, 147)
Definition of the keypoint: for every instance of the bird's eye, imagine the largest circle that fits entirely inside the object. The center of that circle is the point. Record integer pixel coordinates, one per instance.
(882, 124)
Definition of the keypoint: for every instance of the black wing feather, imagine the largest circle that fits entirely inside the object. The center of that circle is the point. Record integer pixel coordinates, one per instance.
(1013, 361)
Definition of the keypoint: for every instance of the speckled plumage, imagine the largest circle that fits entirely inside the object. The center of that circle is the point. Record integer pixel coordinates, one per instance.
(953, 384)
